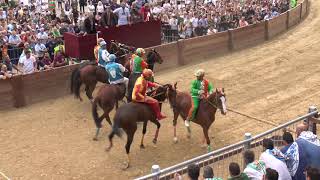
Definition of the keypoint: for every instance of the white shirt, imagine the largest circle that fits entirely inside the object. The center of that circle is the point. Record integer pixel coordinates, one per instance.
(91, 8)
(194, 22)
(28, 64)
(166, 6)
(42, 35)
(100, 9)
(105, 55)
(39, 49)
(123, 15)
(276, 164)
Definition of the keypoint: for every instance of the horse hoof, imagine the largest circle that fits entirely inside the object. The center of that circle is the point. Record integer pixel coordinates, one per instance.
(125, 167)
(154, 141)
(95, 139)
(142, 146)
(175, 140)
(108, 149)
(203, 146)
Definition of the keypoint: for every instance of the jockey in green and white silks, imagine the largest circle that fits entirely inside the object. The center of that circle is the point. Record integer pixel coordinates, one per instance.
(200, 88)
(103, 54)
(115, 71)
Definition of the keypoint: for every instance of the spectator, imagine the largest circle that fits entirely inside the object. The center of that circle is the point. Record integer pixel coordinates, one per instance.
(235, 173)
(59, 60)
(254, 169)
(28, 63)
(208, 174)
(6, 61)
(274, 159)
(42, 35)
(82, 4)
(4, 73)
(108, 18)
(296, 162)
(89, 25)
(243, 22)
(309, 144)
(14, 39)
(123, 14)
(271, 174)
(146, 13)
(135, 15)
(193, 172)
(40, 49)
(312, 173)
(100, 8)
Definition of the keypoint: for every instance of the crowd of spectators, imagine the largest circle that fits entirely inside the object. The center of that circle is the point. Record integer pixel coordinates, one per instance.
(296, 160)
(38, 27)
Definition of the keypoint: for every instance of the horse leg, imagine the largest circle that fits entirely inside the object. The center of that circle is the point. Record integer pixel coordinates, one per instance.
(155, 139)
(130, 136)
(98, 124)
(90, 90)
(117, 105)
(175, 117)
(205, 133)
(108, 119)
(144, 130)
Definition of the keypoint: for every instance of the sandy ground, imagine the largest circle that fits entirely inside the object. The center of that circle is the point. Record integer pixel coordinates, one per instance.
(276, 81)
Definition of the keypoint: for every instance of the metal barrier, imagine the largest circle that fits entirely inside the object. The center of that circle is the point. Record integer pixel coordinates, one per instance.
(14, 54)
(169, 35)
(222, 157)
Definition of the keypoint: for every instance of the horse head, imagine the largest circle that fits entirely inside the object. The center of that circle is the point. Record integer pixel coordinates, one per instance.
(218, 100)
(154, 57)
(172, 94)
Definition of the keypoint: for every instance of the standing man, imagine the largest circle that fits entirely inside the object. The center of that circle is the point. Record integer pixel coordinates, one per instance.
(123, 14)
(28, 63)
(200, 88)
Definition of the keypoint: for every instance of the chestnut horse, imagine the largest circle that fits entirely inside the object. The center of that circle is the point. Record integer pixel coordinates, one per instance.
(129, 114)
(108, 96)
(89, 73)
(181, 103)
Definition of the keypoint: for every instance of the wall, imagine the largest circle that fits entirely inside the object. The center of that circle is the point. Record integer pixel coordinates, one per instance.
(28, 89)
(204, 47)
(247, 36)
(294, 16)
(277, 25)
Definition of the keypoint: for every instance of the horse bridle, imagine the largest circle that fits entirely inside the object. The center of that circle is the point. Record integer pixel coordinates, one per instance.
(216, 99)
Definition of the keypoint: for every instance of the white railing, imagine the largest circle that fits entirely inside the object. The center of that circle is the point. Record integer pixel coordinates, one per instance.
(232, 153)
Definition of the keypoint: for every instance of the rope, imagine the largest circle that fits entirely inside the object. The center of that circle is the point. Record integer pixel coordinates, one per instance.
(6, 177)
(251, 117)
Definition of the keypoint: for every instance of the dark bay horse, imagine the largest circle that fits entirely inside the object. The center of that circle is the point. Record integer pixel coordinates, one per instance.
(108, 96)
(90, 74)
(181, 103)
(129, 114)
(152, 57)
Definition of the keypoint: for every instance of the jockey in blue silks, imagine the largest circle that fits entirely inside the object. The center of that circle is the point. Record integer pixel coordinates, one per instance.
(103, 54)
(115, 72)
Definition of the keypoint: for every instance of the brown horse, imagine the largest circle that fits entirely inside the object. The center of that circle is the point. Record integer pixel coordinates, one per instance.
(90, 74)
(181, 103)
(129, 114)
(107, 97)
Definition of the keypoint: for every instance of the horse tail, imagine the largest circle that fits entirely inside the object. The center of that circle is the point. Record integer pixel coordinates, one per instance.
(95, 113)
(75, 83)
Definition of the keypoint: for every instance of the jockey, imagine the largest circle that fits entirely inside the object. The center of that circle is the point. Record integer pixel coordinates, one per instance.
(139, 92)
(115, 71)
(200, 88)
(103, 54)
(96, 49)
(137, 63)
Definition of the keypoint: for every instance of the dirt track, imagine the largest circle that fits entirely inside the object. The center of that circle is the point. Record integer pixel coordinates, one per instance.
(277, 81)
